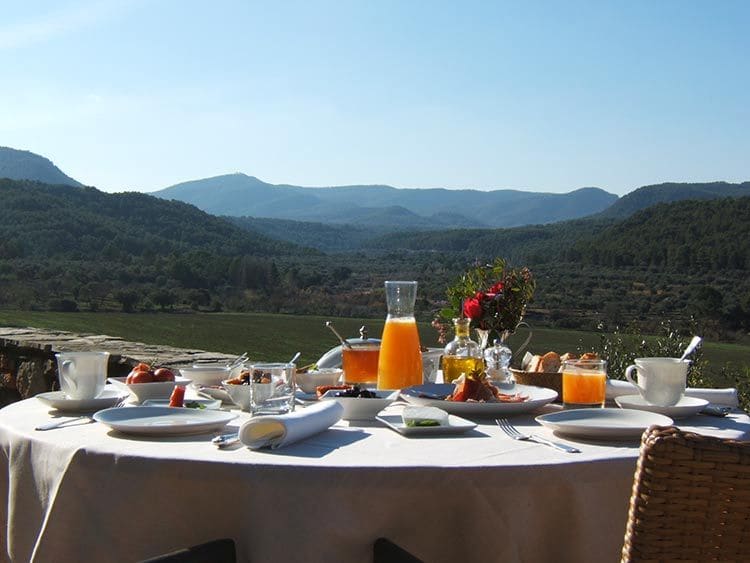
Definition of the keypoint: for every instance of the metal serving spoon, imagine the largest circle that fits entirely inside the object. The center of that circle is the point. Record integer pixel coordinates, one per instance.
(343, 341)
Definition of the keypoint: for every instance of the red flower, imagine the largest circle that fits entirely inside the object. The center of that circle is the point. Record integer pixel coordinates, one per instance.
(497, 288)
(472, 308)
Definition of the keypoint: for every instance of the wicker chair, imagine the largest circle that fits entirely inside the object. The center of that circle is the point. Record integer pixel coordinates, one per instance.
(691, 499)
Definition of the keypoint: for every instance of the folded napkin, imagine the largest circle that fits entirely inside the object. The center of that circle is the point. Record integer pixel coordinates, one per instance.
(282, 430)
(726, 397)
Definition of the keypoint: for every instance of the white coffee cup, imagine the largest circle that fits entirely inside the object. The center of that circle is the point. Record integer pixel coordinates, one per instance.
(82, 375)
(661, 381)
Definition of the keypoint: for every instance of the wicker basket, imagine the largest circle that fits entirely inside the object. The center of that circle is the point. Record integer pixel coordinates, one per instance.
(549, 379)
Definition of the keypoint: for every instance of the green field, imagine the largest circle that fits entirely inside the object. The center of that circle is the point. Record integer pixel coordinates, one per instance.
(278, 337)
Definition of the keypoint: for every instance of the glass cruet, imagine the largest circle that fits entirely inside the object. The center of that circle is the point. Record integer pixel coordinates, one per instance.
(461, 355)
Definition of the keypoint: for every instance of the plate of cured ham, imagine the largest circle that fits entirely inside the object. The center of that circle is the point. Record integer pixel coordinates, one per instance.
(453, 398)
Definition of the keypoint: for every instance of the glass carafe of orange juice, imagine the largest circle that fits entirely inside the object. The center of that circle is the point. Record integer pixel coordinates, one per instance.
(400, 363)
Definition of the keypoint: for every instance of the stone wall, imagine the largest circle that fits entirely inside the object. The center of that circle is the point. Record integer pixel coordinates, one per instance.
(28, 366)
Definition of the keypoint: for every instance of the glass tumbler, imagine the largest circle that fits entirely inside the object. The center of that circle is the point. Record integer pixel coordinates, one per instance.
(272, 388)
(584, 383)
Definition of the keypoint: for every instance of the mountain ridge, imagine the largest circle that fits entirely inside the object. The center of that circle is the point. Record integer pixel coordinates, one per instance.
(25, 165)
(241, 195)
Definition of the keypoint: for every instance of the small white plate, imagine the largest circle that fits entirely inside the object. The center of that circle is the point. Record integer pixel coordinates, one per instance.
(430, 393)
(613, 424)
(211, 404)
(163, 421)
(688, 406)
(456, 425)
(58, 400)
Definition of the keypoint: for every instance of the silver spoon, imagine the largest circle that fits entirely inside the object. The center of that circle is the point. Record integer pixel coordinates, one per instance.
(295, 358)
(343, 341)
(694, 343)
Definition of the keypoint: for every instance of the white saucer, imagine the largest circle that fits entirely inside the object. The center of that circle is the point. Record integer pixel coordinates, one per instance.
(688, 406)
(60, 401)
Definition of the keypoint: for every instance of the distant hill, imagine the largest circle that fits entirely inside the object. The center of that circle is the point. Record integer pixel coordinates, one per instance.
(647, 196)
(241, 195)
(532, 243)
(325, 237)
(25, 165)
(81, 223)
(683, 236)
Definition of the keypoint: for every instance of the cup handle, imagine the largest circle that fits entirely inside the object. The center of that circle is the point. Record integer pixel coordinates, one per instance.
(66, 368)
(628, 376)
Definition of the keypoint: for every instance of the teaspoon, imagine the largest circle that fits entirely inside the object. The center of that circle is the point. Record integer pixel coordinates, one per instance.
(694, 343)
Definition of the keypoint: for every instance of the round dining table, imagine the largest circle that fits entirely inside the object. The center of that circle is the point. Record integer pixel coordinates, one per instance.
(84, 492)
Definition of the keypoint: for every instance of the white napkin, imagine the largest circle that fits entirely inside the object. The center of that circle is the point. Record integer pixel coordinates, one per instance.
(726, 397)
(282, 430)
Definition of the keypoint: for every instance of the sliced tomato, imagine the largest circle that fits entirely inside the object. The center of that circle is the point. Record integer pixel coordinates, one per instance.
(178, 396)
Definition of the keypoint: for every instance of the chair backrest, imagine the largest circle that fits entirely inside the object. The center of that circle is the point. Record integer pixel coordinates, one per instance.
(691, 498)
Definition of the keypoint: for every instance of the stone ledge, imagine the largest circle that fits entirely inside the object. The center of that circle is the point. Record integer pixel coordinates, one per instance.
(28, 366)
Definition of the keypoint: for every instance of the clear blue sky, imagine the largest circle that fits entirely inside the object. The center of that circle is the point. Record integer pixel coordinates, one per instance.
(544, 96)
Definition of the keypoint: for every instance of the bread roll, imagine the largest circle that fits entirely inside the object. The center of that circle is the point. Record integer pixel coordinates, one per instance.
(551, 362)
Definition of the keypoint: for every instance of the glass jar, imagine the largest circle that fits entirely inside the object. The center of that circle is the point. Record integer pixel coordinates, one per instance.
(400, 362)
(461, 355)
(360, 360)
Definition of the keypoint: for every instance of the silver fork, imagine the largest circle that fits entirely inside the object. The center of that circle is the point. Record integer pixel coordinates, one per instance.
(66, 421)
(513, 432)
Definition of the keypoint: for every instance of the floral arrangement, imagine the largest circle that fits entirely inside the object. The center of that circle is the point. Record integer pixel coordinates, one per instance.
(493, 296)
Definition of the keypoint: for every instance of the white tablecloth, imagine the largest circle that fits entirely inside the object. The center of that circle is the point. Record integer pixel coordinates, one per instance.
(86, 493)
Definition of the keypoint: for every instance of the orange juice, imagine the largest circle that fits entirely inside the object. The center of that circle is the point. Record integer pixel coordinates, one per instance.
(400, 363)
(584, 383)
(360, 363)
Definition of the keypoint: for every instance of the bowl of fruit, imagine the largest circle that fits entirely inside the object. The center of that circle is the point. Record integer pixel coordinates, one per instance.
(149, 382)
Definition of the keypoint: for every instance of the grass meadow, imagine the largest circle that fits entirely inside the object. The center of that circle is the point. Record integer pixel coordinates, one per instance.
(278, 337)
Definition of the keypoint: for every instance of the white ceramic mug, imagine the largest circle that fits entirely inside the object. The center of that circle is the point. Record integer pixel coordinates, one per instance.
(82, 375)
(661, 381)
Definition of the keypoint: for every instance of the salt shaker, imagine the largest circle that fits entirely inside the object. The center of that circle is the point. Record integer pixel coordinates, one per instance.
(497, 364)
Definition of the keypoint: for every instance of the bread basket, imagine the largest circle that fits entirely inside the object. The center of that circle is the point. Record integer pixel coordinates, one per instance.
(550, 380)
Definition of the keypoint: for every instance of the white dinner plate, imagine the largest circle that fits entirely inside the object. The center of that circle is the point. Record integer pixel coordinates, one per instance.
(58, 400)
(617, 424)
(688, 406)
(456, 425)
(430, 393)
(163, 421)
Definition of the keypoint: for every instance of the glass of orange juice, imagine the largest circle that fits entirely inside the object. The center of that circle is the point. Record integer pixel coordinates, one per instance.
(584, 383)
(360, 363)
